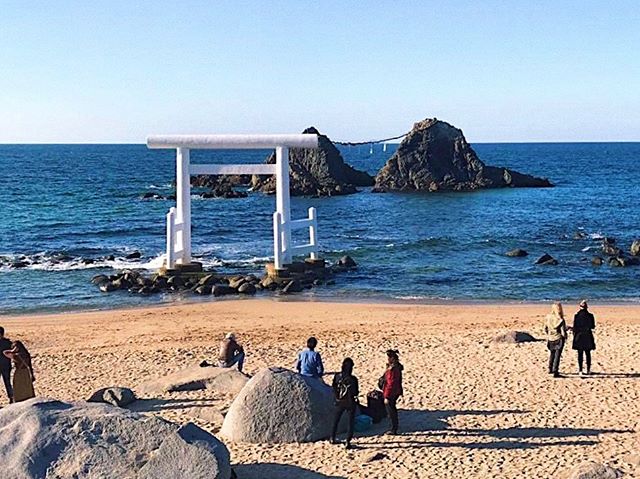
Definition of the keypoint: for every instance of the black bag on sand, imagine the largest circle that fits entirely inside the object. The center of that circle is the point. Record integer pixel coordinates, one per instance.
(375, 406)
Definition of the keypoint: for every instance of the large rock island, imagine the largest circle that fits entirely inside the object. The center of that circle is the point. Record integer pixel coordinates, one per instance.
(435, 156)
(316, 172)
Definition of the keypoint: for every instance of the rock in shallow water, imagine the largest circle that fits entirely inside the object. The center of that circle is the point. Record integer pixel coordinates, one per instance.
(43, 438)
(546, 259)
(516, 253)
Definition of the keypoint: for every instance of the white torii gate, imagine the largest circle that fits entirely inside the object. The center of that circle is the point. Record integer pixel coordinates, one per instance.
(179, 218)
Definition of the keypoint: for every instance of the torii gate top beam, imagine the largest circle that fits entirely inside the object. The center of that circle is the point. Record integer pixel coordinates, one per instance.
(232, 142)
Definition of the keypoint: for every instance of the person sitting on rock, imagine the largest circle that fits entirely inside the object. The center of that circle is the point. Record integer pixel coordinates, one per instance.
(231, 353)
(345, 390)
(309, 362)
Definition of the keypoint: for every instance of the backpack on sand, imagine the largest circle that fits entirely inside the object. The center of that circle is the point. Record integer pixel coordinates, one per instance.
(375, 406)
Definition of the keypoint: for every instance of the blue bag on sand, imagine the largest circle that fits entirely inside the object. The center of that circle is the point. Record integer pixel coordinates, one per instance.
(363, 422)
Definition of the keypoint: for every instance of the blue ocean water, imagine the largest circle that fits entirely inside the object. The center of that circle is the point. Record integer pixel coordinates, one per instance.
(62, 203)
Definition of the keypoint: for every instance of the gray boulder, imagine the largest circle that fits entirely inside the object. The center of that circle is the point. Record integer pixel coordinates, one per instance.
(280, 406)
(516, 253)
(43, 438)
(514, 337)
(116, 396)
(220, 380)
(435, 156)
(635, 248)
(590, 470)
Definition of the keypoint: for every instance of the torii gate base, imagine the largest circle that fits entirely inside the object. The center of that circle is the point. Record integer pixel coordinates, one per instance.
(290, 270)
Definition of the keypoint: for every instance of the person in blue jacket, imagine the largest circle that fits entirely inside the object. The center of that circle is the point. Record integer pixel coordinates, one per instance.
(309, 362)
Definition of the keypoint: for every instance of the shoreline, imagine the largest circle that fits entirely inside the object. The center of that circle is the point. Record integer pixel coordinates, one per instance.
(192, 301)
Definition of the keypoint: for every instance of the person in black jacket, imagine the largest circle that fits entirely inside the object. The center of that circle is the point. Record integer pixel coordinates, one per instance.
(5, 364)
(345, 390)
(583, 342)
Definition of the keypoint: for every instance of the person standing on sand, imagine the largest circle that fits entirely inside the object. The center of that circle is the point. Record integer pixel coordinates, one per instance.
(5, 364)
(23, 377)
(231, 353)
(583, 342)
(309, 362)
(555, 328)
(392, 388)
(345, 391)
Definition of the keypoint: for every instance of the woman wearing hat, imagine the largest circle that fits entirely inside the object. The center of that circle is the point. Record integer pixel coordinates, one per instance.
(583, 342)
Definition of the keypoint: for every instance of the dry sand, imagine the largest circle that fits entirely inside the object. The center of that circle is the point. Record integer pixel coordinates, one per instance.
(472, 408)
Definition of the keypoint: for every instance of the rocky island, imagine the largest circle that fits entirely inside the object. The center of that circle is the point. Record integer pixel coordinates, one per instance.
(316, 172)
(435, 156)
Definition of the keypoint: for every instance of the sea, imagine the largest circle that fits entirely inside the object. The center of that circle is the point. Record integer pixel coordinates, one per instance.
(69, 212)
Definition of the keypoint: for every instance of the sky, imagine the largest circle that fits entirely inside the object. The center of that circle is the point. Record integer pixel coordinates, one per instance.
(502, 71)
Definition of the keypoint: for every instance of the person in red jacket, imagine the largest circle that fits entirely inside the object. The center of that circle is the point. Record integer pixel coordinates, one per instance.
(392, 389)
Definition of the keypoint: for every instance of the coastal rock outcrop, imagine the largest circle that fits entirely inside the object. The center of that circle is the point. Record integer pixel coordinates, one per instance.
(435, 156)
(316, 172)
(46, 438)
(280, 406)
(516, 253)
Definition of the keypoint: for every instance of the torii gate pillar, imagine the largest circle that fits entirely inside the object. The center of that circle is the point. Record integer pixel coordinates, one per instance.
(179, 218)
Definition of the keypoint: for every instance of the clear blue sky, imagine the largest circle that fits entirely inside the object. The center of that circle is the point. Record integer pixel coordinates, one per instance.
(116, 71)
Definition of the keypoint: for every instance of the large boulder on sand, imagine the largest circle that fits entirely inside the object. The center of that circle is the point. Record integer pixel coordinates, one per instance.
(435, 156)
(280, 406)
(42, 438)
(316, 172)
(221, 380)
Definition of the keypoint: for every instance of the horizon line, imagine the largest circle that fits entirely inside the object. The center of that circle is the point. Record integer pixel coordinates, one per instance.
(87, 143)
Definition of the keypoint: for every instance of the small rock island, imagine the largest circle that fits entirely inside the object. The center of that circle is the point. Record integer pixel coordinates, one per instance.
(316, 172)
(435, 156)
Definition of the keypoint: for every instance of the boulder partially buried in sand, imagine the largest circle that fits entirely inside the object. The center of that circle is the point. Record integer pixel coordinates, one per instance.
(280, 406)
(222, 380)
(43, 438)
(514, 337)
(116, 396)
(590, 470)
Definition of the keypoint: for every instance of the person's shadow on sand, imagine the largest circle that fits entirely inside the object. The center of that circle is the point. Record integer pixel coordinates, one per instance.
(277, 471)
(434, 425)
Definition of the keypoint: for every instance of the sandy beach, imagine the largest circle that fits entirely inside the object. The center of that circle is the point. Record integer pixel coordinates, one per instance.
(472, 408)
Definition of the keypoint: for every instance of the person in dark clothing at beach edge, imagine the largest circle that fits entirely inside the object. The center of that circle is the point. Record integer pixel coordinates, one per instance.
(5, 364)
(345, 390)
(583, 342)
(392, 388)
